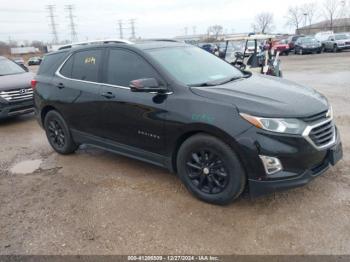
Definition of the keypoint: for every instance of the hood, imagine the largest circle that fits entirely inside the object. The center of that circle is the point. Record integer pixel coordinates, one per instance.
(17, 81)
(310, 44)
(267, 96)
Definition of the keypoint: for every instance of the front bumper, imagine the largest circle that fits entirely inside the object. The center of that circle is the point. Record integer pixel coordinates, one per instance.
(311, 50)
(258, 188)
(15, 109)
(300, 160)
(343, 47)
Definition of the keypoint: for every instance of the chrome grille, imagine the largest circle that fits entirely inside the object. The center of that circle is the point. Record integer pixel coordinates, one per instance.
(323, 134)
(17, 94)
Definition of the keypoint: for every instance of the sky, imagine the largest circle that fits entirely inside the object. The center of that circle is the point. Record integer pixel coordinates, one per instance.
(98, 19)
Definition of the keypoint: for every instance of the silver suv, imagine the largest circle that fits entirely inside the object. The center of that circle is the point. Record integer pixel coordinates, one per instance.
(337, 42)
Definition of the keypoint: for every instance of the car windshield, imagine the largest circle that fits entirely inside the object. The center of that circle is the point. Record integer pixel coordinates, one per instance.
(7, 67)
(195, 67)
(341, 37)
(308, 40)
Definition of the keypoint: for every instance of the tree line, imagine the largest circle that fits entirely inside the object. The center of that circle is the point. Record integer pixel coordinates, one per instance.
(305, 15)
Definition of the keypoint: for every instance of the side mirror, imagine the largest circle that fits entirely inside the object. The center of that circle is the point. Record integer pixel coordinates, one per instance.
(146, 85)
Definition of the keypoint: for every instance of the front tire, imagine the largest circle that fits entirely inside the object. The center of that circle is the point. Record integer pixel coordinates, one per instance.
(335, 49)
(58, 134)
(210, 169)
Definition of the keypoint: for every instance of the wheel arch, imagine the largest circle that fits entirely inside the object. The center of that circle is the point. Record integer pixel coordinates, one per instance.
(44, 112)
(209, 130)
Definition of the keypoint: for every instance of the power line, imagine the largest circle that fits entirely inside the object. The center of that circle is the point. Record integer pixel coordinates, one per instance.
(52, 24)
(73, 32)
(186, 30)
(132, 28)
(120, 23)
(194, 30)
(132, 25)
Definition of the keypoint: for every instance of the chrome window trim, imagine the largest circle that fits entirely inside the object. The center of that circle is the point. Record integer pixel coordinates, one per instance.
(308, 129)
(57, 73)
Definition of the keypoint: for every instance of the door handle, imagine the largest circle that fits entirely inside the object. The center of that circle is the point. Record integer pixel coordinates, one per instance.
(108, 95)
(60, 85)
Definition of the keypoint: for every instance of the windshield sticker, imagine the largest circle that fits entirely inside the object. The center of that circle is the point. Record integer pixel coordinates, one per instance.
(90, 60)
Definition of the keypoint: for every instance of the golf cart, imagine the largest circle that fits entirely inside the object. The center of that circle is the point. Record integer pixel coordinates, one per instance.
(262, 60)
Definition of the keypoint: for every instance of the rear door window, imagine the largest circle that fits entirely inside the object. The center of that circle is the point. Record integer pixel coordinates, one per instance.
(124, 66)
(85, 65)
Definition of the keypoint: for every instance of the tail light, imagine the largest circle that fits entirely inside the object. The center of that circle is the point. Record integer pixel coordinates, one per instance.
(33, 83)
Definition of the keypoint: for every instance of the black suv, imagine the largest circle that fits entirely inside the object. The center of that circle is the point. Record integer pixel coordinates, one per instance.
(16, 94)
(177, 106)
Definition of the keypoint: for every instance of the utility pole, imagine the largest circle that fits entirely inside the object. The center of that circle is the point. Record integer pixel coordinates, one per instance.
(132, 27)
(52, 24)
(120, 23)
(73, 32)
(305, 15)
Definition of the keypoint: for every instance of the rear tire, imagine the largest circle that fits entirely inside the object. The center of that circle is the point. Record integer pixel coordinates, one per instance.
(210, 169)
(58, 133)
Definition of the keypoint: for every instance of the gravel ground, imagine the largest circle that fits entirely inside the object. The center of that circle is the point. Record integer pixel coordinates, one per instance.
(95, 202)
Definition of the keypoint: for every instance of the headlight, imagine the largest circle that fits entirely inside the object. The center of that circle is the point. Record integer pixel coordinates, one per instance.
(278, 125)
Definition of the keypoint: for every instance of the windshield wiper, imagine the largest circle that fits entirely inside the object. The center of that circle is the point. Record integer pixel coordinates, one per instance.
(202, 84)
(231, 79)
(220, 82)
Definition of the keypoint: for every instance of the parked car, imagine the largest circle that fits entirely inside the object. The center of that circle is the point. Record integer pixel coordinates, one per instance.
(208, 47)
(291, 41)
(34, 60)
(282, 46)
(177, 106)
(337, 42)
(18, 60)
(16, 94)
(306, 45)
(323, 36)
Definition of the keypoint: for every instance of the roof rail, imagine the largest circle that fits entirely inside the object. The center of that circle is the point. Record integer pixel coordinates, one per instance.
(95, 42)
(162, 40)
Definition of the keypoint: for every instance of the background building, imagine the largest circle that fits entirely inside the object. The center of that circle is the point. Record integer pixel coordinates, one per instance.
(339, 26)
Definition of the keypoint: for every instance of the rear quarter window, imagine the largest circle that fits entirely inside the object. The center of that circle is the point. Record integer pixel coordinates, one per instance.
(51, 62)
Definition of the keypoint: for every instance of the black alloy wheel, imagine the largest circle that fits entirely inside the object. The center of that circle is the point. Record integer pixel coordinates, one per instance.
(207, 171)
(56, 134)
(210, 169)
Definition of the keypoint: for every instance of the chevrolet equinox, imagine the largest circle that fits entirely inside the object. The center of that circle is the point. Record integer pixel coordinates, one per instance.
(177, 106)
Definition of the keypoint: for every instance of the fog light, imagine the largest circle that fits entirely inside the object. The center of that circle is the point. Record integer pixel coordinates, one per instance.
(271, 164)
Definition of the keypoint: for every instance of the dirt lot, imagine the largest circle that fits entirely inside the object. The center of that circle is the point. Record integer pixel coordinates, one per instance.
(95, 202)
